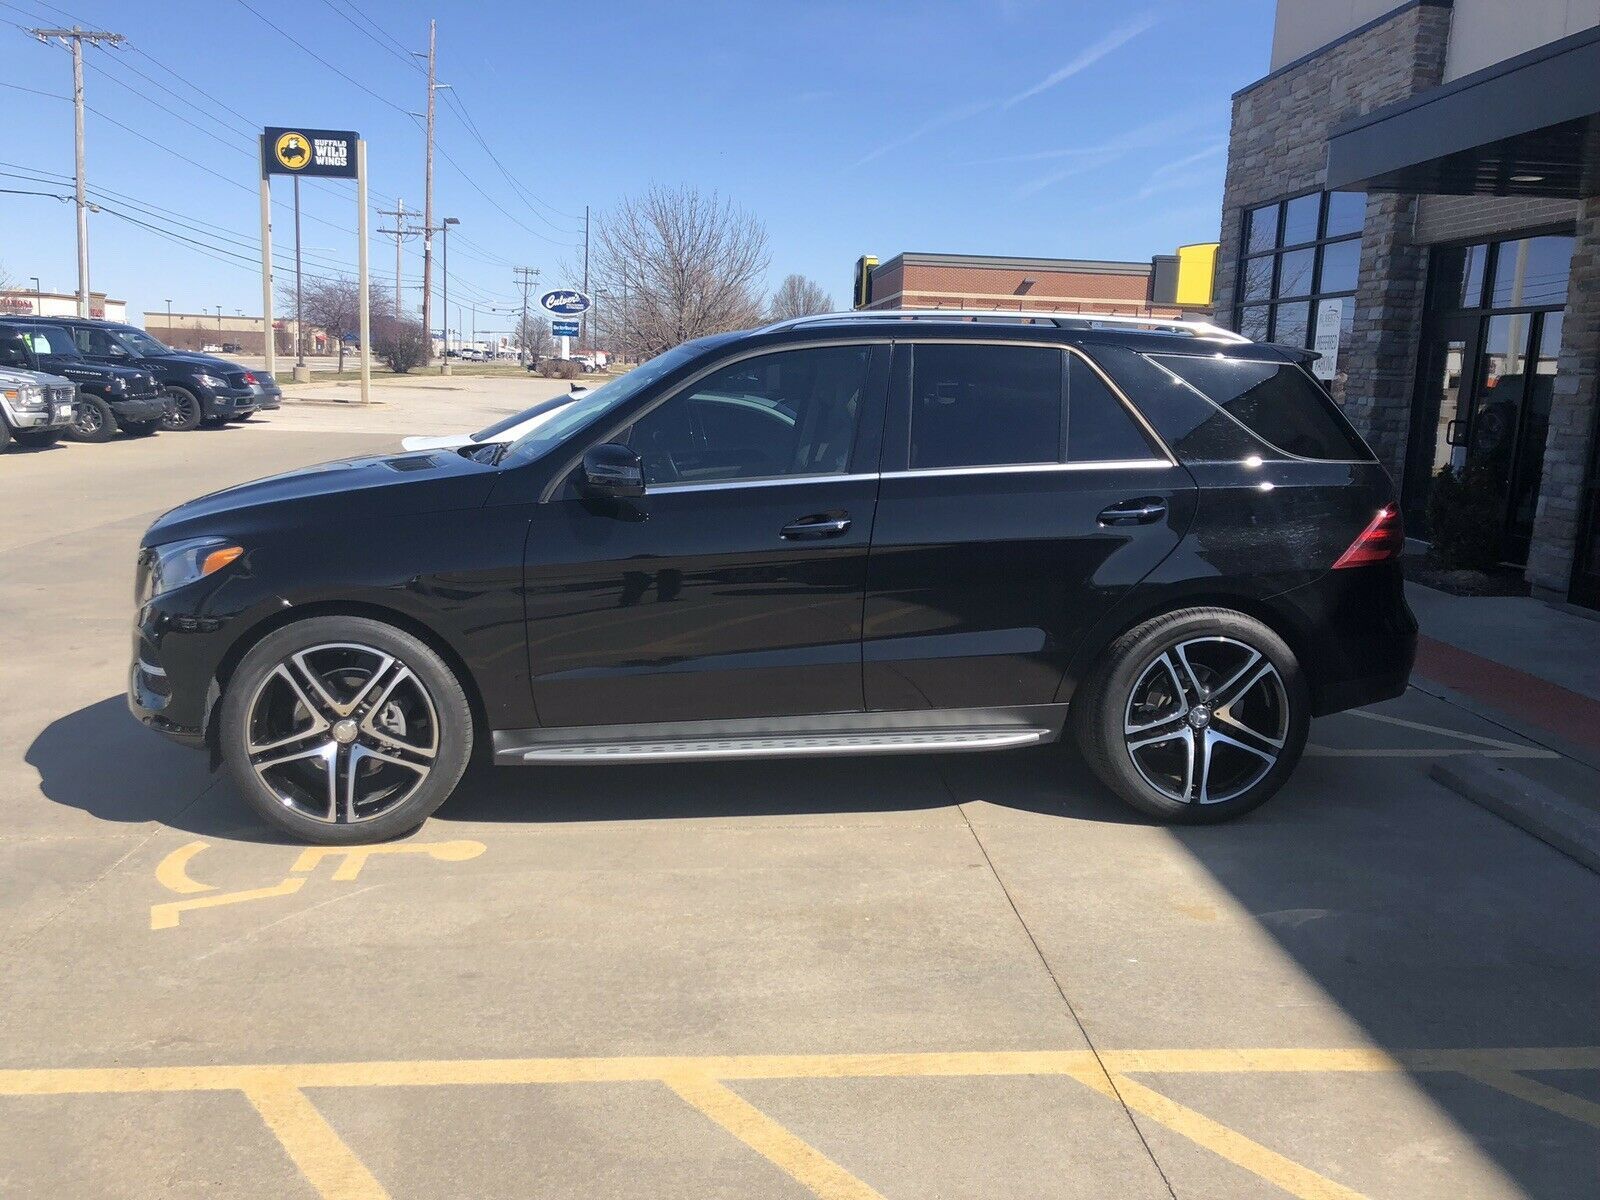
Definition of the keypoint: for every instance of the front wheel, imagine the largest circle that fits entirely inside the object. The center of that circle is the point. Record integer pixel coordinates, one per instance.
(93, 421)
(1194, 717)
(38, 438)
(343, 730)
(183, 410)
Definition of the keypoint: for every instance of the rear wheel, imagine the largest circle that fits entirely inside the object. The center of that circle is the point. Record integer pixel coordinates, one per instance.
(183, 410)
(93, 421)
(1194, 717)
(343, 730)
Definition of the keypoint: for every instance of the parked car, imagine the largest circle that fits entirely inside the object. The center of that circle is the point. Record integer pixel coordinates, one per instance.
(36, 408)
(846, 534)
(268, 394)
(232, 348)
(508, 429)
(196, 387)
(109, 398)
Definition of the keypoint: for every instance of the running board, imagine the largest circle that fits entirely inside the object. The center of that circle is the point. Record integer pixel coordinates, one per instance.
(783, 737)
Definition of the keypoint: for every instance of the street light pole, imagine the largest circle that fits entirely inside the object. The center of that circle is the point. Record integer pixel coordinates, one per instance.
(444, 307)
(38, 297)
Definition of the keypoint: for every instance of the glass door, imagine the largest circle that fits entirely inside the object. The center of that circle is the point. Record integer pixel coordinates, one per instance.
(1448, 363)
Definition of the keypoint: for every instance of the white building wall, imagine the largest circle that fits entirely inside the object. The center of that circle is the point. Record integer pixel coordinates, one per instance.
(1484, 32)
(1302, 26)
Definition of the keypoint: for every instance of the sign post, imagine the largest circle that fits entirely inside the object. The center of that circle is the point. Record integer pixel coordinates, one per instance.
(325, 154)
(569, 303)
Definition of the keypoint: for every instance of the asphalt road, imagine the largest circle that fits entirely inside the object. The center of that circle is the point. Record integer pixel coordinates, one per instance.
(911, 977)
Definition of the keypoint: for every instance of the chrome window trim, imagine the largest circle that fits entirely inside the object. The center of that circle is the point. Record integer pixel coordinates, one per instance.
(1027, 468)
(560, 477)
(727, 485)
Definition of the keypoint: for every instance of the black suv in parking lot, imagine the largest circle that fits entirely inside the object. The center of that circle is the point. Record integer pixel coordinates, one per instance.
(846, 534)
(197, 387)
(109, 398)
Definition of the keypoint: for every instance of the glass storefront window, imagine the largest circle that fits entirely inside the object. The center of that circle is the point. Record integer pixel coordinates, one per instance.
(1475, 262)
(1531, 271)
(1307, 246)
(1300, 219)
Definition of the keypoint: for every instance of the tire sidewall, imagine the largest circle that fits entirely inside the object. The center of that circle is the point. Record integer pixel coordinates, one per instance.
(1100, 726)
(106, 428)
(181, 400)
(450, 702)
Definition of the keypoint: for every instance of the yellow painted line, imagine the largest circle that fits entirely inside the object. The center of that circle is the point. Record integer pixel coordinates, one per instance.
(355, 857)
(165, 916)
(1542, 1094)
(802, 1162)
(1282, 1172)
(320, 1153)
(172, 871)
(491, 1071)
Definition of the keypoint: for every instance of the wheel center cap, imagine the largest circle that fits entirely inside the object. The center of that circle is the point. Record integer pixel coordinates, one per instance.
(344, 732)
(1200, 716)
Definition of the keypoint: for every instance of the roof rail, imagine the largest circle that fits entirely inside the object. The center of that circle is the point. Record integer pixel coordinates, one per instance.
(1198, 329)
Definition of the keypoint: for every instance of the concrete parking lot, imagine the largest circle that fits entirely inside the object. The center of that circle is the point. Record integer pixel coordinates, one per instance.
(904, 977)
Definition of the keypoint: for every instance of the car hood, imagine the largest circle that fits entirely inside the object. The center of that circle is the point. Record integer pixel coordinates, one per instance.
(16, 375)
(202, 362)
(341, 492)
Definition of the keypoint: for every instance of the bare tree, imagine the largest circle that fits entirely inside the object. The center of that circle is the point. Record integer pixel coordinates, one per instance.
(334, 305)
(798, 296)
(533, 337)
(675, 264)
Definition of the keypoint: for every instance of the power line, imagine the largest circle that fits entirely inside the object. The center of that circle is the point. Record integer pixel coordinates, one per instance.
(377, 41)
(351, 79)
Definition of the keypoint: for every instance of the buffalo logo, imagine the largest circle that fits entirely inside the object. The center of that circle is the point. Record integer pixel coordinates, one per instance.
(293, 150)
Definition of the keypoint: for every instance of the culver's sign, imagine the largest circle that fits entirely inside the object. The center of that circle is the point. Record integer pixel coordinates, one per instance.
(564, 302)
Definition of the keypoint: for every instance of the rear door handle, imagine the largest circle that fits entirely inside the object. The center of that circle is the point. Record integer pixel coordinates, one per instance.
(820, 525)
(1143, 511)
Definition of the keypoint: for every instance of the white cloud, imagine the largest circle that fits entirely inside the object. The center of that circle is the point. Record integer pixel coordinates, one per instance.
(1086, 58)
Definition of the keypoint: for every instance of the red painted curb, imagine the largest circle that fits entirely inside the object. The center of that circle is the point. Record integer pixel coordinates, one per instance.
(1567, 714)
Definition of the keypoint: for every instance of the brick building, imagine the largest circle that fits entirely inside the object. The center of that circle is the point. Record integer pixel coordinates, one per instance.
(1422, 182)
(1026, 284)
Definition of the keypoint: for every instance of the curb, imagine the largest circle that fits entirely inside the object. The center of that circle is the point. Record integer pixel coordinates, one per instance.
(1531, 806)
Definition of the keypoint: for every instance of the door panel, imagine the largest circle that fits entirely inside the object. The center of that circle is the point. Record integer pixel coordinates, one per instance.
(689, 604)
(982, 585)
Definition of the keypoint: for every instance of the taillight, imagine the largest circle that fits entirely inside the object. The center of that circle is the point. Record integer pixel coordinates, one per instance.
(1380, 541)
(249, 378)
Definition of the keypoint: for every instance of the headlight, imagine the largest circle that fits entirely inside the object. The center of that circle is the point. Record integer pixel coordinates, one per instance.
(210, 381)
(163, 568)
(28, 395)
(117, 385)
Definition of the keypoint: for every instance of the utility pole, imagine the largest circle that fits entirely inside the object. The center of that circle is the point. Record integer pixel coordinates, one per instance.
(73, 39)
(526, 277)
(427, 200)
(299, 325)
(398, 212)
(585, 330)
(444, 307)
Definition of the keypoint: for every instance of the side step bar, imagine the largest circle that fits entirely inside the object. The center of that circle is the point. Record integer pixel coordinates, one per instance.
(783, 737)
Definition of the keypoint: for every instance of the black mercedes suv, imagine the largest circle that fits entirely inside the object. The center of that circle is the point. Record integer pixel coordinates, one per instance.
(195, 387)
(851, 534)
(110, 398)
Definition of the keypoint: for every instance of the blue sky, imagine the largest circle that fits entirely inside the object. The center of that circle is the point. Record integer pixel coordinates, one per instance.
(1025, 127)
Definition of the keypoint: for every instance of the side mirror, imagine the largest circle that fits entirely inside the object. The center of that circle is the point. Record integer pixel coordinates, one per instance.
(612, 470)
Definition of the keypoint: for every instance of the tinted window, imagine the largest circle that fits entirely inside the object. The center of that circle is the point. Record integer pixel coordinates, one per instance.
(791, 413)
(1263, 228)
(978, 405)
(1099, 428)
(1277, 401)
(1300, 219)
(47, 339)
(95, 341)
(1531, 271)
(1347, 212)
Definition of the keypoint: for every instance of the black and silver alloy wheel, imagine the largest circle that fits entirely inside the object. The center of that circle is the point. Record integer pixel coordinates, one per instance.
(342, 732)
(344, 729)
(1194, 716)
(182, 410)
(1206, 720)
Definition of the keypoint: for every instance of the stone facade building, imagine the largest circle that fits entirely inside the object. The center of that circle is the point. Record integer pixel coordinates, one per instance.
(1414, 190)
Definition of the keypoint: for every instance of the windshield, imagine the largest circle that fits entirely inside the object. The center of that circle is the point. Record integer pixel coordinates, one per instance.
(591, 408)
(517, 418)
(137, 341)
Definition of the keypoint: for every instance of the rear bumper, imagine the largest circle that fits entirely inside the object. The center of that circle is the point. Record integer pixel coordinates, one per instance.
(1357, 636)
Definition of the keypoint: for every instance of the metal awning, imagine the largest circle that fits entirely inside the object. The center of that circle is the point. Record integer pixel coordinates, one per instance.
(1528, 126)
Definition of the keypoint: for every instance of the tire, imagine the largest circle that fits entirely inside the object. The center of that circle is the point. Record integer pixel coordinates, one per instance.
(5, 435)
(141, 428)
(1194, 717)
(183, 410)
(273, 711)
(93, 421)
(38, 439)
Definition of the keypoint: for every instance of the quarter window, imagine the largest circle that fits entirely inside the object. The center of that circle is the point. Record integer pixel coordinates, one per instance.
(978, 405)
(790, 413)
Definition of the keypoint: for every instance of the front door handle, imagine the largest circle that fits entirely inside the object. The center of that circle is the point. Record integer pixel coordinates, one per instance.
(819, 525)
(1143, 511)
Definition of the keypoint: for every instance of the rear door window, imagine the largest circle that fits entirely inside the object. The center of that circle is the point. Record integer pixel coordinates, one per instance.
(1276, 401)
(984, 405)
(1099, 427)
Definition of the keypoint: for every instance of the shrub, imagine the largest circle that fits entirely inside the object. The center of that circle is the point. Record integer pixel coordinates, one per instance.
(1464, 511)
(401, 344)
(559, 368)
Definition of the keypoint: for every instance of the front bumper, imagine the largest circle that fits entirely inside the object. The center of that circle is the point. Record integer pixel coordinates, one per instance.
(179, 640)
(55, 415)
(228, 403)
(137, 408)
